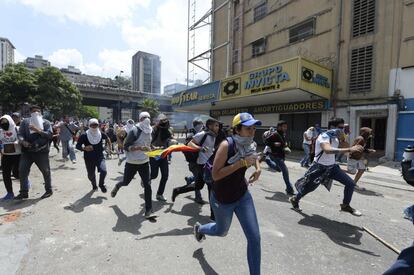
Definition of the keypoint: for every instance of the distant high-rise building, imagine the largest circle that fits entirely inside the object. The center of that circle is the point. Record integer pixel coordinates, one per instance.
(146, 73)
(71, 70)
(6, 52)
(36, 62)
(174, 88)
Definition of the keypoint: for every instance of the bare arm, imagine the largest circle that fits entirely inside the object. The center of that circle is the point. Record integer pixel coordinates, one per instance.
(328, 149)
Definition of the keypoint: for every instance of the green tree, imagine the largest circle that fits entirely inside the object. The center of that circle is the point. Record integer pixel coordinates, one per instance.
(55, 93)
(88, 112)
(17, 86)
(151, 106)
(122, 82)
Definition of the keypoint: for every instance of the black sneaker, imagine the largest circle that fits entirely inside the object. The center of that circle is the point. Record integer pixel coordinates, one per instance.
(349, 209)
(103, 188)
(114, 191)
(174, 194)
(199, 236)
(295, 204)
(94, 187)
(47, 194)
(200, 201)
(150, 215)
(161, 198)
(22, 196)
(290, 192)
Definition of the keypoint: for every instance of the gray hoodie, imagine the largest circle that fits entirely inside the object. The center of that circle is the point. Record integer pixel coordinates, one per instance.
(131, 140)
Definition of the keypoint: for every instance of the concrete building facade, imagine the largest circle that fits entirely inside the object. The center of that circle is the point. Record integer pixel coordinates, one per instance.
(6, 52)
(146, 73)
(36, 62)
(361, 41)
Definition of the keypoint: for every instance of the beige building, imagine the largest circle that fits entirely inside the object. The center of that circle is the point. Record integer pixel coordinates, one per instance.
(6, 52)
(361, 41)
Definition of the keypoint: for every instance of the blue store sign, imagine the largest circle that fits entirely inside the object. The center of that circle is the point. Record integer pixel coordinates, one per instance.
(198, 95)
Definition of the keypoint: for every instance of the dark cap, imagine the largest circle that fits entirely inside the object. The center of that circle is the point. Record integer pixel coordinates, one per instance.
(16, 114)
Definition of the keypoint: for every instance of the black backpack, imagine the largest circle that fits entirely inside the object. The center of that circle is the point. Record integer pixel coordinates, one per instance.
(191, 157)
(408, 177)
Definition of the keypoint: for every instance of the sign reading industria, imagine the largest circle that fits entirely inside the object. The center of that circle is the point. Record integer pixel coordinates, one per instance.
(275, 108)
(197, 95)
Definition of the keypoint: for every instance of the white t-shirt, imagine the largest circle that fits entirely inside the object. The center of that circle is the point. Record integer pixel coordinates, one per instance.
(309, 134)
(209, 142)
(325, 159)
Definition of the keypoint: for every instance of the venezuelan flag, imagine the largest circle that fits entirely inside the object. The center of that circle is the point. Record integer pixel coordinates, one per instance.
(163, 153)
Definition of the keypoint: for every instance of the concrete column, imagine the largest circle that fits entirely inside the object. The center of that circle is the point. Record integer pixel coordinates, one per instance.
(391, 131)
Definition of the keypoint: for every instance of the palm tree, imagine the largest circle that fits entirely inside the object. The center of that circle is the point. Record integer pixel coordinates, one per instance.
(151, 106)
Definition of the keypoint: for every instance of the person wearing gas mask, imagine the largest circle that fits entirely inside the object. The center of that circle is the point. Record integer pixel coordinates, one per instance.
(356, 163)
(10, 153)
(161, 138)
(137, 143)
(91, 143)
(325, 168)
(35, 133)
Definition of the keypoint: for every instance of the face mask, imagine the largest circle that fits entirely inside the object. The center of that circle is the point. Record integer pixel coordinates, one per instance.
(243, 140)
(93, 130)
(163, 124)
(198, 127)
(5, 126)
(35, 114)
(146, 122)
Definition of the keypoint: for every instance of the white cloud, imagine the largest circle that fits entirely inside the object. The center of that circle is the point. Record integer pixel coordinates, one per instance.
(91, 12)
(18, 57)
(65, 57)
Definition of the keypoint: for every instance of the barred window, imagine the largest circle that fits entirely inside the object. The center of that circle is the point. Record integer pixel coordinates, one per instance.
(260, 11)
(363, 17)
(236, 25)
(360, 79)
(235, 56)
(302, 31)
(258, 47)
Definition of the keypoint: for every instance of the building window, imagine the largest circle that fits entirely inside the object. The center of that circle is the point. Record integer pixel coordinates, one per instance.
(235, 56)
(259, 47)
(363, 20)
(360, 77)
(260, 11)
(302, 31)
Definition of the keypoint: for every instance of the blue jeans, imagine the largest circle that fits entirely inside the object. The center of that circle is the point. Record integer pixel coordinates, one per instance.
(404, 263)
(246, 213)
(336, 174)
(282, 166)
(306, 149)
(67, 149)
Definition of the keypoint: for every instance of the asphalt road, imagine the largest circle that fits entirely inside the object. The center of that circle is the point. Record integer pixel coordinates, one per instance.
(77, 231)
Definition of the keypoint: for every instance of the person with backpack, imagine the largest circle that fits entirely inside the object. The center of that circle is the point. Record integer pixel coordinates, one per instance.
(204, 142)
(91, 143)
(230, 192)
(34, 136)
(68, 130)
(11, 151)
(356, 160)
(192, 162)
(137, 142)
(278, 144)
(324, 169)
(162, 137)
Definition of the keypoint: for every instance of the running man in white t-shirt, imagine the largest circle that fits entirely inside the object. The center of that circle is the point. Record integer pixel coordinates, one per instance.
(325, 149)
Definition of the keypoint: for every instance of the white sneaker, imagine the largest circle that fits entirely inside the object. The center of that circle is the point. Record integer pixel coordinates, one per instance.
(74, 161)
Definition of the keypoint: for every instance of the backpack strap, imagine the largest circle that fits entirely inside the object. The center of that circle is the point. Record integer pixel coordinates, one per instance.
(231, 150)
(138, 134)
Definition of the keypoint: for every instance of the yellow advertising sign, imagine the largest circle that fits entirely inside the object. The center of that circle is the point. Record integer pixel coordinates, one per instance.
(295, 73)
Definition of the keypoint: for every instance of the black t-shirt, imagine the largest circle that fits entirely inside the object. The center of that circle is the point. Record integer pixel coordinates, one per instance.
(97, 153)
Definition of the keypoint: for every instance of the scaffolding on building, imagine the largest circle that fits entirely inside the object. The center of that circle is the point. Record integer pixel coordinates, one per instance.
(198, 61)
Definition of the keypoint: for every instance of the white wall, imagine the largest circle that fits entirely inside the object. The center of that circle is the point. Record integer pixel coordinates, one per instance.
(404, 83)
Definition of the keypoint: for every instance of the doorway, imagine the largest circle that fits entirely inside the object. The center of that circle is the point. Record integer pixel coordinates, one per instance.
(379, 127)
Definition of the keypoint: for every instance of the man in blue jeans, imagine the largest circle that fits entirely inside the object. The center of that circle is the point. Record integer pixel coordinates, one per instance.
(279, 147)
(325, 149)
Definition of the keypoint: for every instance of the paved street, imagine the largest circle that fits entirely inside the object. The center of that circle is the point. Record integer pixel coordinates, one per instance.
(77, 231)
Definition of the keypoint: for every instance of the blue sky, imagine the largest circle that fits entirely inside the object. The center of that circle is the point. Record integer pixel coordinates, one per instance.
(99, 36)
